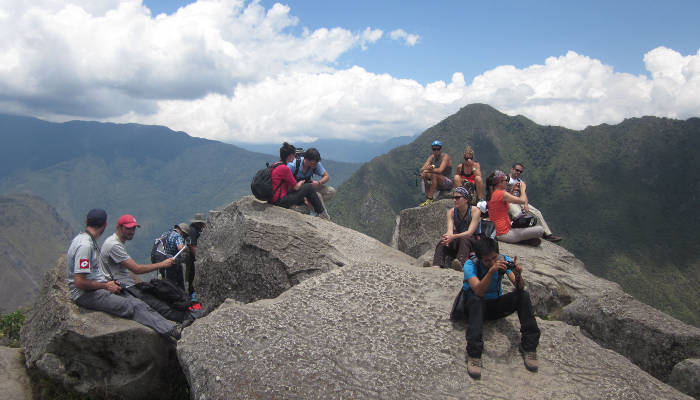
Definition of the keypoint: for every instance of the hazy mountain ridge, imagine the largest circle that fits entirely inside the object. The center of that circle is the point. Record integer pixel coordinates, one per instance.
(619, 194)
(160, 176)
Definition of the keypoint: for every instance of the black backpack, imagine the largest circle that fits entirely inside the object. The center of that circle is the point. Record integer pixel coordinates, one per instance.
(167, 292)
(261, 186)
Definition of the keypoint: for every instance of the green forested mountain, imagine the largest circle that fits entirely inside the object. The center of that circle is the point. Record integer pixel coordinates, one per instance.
(32, 237)
(624, 196)
(160, 176)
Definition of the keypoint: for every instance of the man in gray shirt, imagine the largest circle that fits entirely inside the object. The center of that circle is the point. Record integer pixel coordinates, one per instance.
(119, 264)
(91, 288)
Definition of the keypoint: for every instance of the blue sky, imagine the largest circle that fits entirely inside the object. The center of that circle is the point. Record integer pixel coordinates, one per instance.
(262, 72)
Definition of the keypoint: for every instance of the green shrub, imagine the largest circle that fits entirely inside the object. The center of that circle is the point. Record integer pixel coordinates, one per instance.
(10, 324)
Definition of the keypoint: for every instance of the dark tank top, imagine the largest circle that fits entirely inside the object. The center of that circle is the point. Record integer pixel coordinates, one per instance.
(448, 171)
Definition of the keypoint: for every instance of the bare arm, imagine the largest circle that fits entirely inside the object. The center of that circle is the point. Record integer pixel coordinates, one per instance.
(444, 164)
(519, 269)
(516, 200)
(476, 218)
(479, 287)
(138, 269)
(325, 178)
(426, 166)
(477, 170)
(83, 283)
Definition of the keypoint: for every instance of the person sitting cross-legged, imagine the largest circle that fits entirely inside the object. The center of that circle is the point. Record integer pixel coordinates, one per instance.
(483, 274)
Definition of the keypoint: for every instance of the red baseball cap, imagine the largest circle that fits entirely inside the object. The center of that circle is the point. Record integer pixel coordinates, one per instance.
(128, 221)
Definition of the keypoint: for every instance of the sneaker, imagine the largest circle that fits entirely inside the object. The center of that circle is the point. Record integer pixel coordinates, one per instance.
(188, 320)
(324, 215)
(552, 238)
(474, 367)
(427, 202)
(176, 332)
(530, 359)
(456, 265)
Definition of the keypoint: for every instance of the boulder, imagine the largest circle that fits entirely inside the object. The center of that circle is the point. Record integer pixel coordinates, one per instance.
(418, 227)
(562, 288)
(253, 250)
(381, 330)
(95, 353)
(333, 313)
(14, 382)
(685, 375)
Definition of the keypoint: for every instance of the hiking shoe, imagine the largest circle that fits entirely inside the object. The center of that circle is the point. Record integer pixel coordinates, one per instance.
(552, 238)
(534, 242)
(474, 367)
(175, 333)
(456, 265)
(426, 203)
(188, 320)
(530, 359)
(324, 215)
(426, 264)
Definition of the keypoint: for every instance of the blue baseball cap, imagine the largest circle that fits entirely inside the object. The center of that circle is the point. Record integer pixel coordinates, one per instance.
(436, 143)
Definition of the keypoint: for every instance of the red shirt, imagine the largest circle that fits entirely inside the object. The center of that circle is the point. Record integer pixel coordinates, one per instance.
(284, 175)
(498, 211)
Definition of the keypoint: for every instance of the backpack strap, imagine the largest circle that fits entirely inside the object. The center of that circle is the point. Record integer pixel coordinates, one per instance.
(272, 167)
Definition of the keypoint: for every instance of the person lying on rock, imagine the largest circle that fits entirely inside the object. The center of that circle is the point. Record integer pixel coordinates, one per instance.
(498, 200)
(517, 187)
(483, 273)
(119, 263)
(90, 287)
(289, 191)
(436, 173)
(462, 223)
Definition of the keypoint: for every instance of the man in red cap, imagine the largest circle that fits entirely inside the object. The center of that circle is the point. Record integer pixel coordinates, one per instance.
(119, 264)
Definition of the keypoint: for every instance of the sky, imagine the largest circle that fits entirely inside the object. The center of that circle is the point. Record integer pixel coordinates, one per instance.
(264, 71)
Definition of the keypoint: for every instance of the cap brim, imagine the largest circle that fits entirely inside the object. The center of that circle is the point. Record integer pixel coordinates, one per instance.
(131, 225)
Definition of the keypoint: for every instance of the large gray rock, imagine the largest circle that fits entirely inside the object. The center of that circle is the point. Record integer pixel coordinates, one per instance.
(418, 227)
(380, 330)
(562, 288)
(378, 326)
(14, 382)
(253, 250)
(93, 352)
(685, 375)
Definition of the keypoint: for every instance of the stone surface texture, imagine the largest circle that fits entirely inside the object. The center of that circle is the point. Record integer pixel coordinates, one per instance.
(685, 375)
(93, 352)
(14, 382)
(365, 322)
(562, 288)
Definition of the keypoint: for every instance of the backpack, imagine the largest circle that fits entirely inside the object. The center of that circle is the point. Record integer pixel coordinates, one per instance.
(167, 292)
(524, 221)
(158, 253)
(261, 185)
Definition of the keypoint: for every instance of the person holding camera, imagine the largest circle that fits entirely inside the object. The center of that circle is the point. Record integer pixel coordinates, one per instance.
(483, 273)
(287, 190)
(498, 202)
(91, 288)
(306, 166)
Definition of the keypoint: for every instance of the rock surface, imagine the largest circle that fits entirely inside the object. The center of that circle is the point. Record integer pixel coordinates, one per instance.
(253, 250)
(378, 327)
(93, 352)
(561, 287)
(14, 382)
(685, 375)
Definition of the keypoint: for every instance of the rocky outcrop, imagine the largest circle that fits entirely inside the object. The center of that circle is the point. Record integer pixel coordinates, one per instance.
(373, 325)
(92, 352)
(253, 250)
(685, 375)
(417, 228)
(14, 382)
(562, 288)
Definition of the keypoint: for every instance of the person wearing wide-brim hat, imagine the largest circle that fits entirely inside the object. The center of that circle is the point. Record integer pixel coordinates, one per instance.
(176, 240)
(197, 224)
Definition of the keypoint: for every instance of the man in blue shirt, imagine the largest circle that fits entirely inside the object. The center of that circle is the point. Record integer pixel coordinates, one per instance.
(309, 165)
(485, 300)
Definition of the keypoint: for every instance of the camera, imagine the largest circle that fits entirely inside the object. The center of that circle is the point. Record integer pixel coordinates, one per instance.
(510, 265)
(299, 152)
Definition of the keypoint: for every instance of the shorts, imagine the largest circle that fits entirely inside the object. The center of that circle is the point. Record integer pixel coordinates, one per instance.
(445, 183)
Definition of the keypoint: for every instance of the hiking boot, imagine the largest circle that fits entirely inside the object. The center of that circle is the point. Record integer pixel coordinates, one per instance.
(176, 333)
(456, 265)
(324, 215)
(530, 359)
(552, 238)
(474, 367)
(426, 264)
(427, 202)
(534, 242)
(189, 319)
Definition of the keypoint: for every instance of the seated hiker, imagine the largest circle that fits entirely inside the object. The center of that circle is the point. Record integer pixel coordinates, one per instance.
(436, 173)
(483, 273)
(469, 174)
(516, 186)
(91, 288)
(197, 225)
(498, 200)
(118, 262)
(462, 222)
(287, 191)
(173, 241)
(305, 167)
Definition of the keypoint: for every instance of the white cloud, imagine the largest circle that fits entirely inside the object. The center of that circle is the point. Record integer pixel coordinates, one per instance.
(409, 39)
(232, 70)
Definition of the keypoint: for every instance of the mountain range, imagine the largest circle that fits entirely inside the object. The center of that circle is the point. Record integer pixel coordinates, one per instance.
(623, 196)
(160, 176)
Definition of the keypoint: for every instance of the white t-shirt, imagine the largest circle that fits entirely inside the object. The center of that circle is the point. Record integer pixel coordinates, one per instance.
(113, 254)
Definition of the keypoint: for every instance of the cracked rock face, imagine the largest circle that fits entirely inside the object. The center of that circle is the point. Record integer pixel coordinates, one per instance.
(364, 321)
(93, 352)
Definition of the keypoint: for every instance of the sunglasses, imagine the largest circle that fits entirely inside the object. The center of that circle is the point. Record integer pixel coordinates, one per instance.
(457, 197)
(437, 148)
(519, 170)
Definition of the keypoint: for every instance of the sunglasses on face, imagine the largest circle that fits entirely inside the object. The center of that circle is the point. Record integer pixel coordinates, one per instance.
(437, 148)
(457, 197)
(520, 171)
